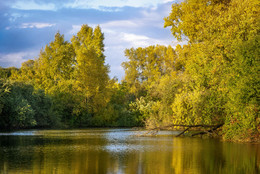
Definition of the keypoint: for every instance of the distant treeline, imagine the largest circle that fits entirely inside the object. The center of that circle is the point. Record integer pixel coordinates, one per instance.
(211, 79)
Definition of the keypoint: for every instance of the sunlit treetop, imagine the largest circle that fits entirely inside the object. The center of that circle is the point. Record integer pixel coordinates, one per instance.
(200, 20)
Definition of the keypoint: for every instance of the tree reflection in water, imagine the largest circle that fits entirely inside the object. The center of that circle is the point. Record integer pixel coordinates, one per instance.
(118, 151)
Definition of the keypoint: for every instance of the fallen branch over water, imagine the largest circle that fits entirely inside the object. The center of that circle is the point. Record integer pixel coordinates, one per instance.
(182, 132)
(211, 129)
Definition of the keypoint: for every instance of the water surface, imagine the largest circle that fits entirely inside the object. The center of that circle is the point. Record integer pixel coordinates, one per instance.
(120, 151)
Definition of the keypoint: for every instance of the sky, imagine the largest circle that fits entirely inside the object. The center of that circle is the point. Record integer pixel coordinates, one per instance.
(28, 25)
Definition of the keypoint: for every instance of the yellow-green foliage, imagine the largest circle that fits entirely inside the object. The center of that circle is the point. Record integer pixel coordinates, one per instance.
(147, 110)
(147, 65)
(222, 64)
(243, 104)
(90, 71)
(73, 74)
(213, 79)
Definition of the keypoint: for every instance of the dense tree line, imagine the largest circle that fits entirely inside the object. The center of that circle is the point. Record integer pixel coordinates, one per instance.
(66, 86)
(212, 79)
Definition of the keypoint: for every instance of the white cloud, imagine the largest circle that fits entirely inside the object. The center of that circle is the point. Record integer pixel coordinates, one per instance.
(16, 59)
(141, 40)
(14, 16)
(36, 25)
(101, 4)
(32, 5)
(134, 39)
(120, 23)
(104, 5)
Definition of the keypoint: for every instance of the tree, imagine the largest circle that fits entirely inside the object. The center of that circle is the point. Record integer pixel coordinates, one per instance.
(55, 64)
(26, 73)
(91, 73)
(22, 106)
(5, 73)
(73, 74)
(148, 65)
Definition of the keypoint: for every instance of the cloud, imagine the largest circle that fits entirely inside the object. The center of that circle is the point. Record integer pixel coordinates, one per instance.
(135, 40)
(15, 16)
(31, 24)
(120, 23)
(101, 4)
(16, 59)
(32, 5)
(36, 25)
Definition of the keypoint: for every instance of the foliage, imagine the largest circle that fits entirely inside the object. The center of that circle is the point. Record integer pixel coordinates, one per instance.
(147, 65)
(117, 112)
(75, 79)
(243, 120)
(23, 106)
(5, 73)
(222, 64)
(212, 79)
(91, 73)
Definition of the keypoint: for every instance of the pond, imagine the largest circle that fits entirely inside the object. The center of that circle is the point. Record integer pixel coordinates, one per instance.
(121, 151)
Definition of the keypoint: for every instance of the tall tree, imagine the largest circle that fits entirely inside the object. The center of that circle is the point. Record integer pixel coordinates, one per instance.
(55, 63)
(148, 65)
(91, 72)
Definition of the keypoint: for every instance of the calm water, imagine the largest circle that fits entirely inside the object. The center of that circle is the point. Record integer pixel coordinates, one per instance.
(119, 151)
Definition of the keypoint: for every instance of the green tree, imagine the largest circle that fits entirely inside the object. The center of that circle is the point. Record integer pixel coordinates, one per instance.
(26, 73)
(148, 65)
(23, 107)
(5, 73)
(55, 64)
(91, 73)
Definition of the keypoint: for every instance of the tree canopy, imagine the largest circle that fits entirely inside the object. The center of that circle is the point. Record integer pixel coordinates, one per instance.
(211, 79)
